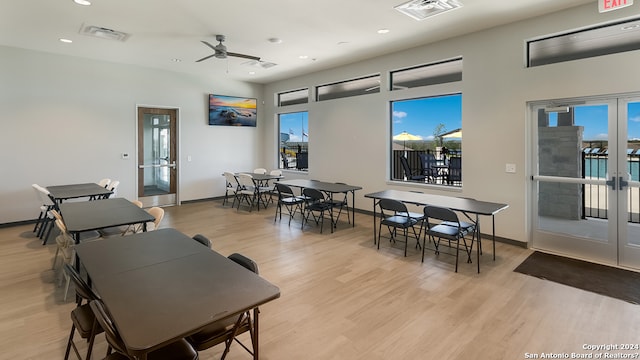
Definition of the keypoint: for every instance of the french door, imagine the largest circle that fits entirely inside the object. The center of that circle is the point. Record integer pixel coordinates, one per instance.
(157, 170)
(585, 187)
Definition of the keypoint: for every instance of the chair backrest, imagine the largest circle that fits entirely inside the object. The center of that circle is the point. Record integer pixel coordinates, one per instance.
(56, 215)
(61, 226)
(202, 240)
(441, 214)
(313, 195)
(83, 290)
(246, 181)
(137, 203)
(390, 205)
(284, 190)
(428, 161)
(275, 172)
(113, 186)
(104, 182)
(232, 182)
(158, 213)
(261, 171)
(45, 195)
(245, 262)
(405, 166)
(110, 331)
(455, 168)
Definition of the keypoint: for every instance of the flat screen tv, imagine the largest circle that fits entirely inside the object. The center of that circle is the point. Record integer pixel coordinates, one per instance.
(232, 110)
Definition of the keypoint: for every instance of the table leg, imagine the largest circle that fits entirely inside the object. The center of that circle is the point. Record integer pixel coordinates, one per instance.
(353, 208)
(256, 355)
(493, 221)
(478, 247)
(374, 222)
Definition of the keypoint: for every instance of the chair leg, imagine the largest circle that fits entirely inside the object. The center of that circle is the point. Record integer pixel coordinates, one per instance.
(69, 342)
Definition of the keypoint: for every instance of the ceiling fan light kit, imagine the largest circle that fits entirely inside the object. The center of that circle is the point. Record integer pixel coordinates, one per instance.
(422, 9)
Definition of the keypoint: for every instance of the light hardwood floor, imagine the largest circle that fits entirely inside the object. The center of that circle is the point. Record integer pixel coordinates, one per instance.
(341, 297)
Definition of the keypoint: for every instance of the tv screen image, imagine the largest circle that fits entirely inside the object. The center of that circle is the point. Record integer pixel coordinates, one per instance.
(232, 110)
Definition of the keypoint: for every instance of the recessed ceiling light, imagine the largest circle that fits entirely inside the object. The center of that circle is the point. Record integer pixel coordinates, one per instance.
(383, 31)
(82, 2)
(303, 57)
(275, 40)
(176, 60)
(252, 72)
(67, 41)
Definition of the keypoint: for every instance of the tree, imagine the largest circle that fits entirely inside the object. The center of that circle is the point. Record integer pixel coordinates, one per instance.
(437, 131)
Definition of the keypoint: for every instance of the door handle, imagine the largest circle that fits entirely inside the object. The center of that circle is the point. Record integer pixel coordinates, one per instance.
(612, 183)
(622, 183)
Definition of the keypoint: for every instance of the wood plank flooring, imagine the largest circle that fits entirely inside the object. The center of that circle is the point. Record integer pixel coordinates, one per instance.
(341, 297)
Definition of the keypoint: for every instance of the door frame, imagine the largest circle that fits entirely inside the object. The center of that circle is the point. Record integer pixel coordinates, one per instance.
(177, 147)
(619, 228)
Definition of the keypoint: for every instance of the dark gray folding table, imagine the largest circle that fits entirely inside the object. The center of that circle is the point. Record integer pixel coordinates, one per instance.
(100, 214)
(60, 193)
(161, 286)
(464, 205)
(328, 188)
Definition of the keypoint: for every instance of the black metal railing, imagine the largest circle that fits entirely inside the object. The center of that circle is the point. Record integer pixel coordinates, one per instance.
(595, 197)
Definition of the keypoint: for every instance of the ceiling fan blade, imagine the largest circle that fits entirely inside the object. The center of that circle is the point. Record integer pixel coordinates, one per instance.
(256, 58)
(209, 45)
(206, 57)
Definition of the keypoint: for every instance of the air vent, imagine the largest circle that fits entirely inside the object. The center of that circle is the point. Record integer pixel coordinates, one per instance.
(104, 33)
(422, 9)
(260, 64)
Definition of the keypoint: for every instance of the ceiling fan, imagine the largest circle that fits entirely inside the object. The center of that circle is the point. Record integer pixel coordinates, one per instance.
(222, 53)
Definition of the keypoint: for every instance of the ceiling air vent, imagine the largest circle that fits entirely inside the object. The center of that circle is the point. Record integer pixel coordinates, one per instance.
(422, 9)
(259, 63)
(103, 33)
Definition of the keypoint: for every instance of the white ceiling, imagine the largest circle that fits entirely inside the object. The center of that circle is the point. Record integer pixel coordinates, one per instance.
(329, 32)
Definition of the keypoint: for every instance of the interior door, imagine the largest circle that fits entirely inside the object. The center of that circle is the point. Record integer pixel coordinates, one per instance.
(585, 196)
(157, 168)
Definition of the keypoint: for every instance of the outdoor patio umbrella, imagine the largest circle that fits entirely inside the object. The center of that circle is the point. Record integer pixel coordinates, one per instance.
(453, 134)
(405, 136)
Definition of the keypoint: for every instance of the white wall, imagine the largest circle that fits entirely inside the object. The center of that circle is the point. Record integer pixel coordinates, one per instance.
(349, 138)
(67, 120)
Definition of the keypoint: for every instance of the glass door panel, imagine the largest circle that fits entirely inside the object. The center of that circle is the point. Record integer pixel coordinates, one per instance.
(629, 207)
(573, 200)
(156, 157)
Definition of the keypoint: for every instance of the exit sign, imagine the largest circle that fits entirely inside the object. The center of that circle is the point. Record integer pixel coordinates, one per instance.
(608, 5)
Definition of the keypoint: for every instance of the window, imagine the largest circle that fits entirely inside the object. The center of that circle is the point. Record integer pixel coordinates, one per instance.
(294, 140)
(361, 86)
(430, 74)
(585, 43)
(427, 132)
(293, 97)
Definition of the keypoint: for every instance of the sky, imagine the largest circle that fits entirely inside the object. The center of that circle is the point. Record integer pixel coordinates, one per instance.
(296, 125)
(421, 116)
(594, 120)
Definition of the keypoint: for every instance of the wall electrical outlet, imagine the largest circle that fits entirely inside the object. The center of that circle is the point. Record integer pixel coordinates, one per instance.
(510, 168)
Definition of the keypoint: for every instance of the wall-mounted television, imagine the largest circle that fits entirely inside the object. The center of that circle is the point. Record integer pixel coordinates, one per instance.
(232, 110)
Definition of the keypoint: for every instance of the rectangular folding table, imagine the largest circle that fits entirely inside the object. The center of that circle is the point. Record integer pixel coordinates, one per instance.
(161, 286)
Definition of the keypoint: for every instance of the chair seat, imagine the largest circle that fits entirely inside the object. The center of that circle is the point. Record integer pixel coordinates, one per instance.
(216, 333)
(83, 318)
(179, 350)
(399, 221)
(446, 231)
(113, 231)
